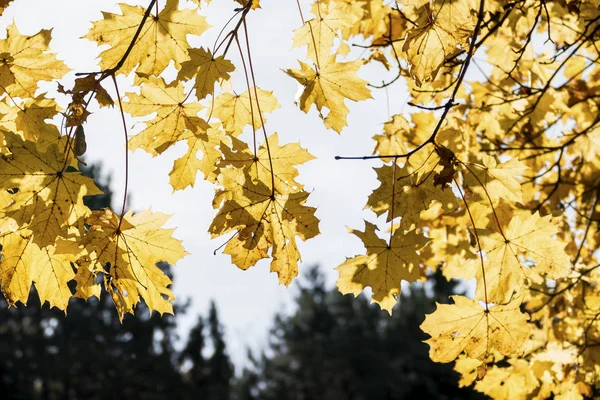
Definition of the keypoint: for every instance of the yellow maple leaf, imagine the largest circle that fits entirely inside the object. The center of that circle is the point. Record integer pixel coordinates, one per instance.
(410, 194)
(162, 39)
(187, 166)
(51, 272)
(15, 266)
(29, 120)
(206, 69)
(500, 181)
(469, 327)
(319, 33)
(238, 110)
(23, 262)
(24, 62)
(439, 33)
(393, 139)
(176, 119)
(517, 381)
(328, 86)
(383, 267)
(46, 192)
(267, 211)
(507, 263)
(129, 250)
(86, 278)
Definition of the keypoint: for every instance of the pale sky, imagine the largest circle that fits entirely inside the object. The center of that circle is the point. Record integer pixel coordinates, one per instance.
(247, 300)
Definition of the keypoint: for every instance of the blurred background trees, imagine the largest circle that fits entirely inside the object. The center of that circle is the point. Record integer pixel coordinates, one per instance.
(332, 347)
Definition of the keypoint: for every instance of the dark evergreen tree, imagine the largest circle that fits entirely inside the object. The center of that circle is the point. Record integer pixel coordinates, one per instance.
(220, 366)
(208, 378)
(193, 359)
(334, 347)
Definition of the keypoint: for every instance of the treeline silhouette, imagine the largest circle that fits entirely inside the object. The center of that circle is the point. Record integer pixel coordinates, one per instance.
(332, 347)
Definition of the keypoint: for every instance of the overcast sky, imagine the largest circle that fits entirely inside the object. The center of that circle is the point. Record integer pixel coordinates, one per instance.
(247, 300)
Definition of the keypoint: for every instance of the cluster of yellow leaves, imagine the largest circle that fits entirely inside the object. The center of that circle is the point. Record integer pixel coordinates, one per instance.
(493, 179)
(259, 202)
(499, 187)
(328, 82)
(49, 237)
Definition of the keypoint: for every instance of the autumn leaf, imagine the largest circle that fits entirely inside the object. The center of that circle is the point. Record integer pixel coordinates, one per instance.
(162, 38)
(186, 167)
(87, 85)
(393, 139)
(264, 205)
(469, 327)
(24, 62)
(24, 263)
(176, 119)
(52, 272)
(16, 276)
(410, 195)
(29, 120)
(517, 380)
(500, 181)
(319, 33)
(328, 86)
(206, 69)
(508, 256)
(438, 34)
(46, 192)
(129, 250)
(383, 267)
(236, 111)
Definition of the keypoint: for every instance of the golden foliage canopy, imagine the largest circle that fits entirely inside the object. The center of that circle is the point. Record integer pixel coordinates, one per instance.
(489, 171)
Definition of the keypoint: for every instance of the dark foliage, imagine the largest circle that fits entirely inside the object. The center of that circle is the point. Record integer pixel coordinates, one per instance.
(336, 347)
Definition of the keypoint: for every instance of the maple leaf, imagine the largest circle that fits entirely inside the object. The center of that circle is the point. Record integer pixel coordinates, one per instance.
(500, 181)
(238, 110)
(51, 272)
(319, 33)
(23, 263)
(130, 248)
(469, 327)
(46, 192)
(438, 34)
(528, 237)
(206, 70)
(516, 381)
(162, 38)
(383, 267)
(176, 119)
(393, 139)
(328, 86)
(24, 62)
(29, 120)
(411, 196)
(266, 210)
(186, 167)
(86, 278)
(15, 266)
